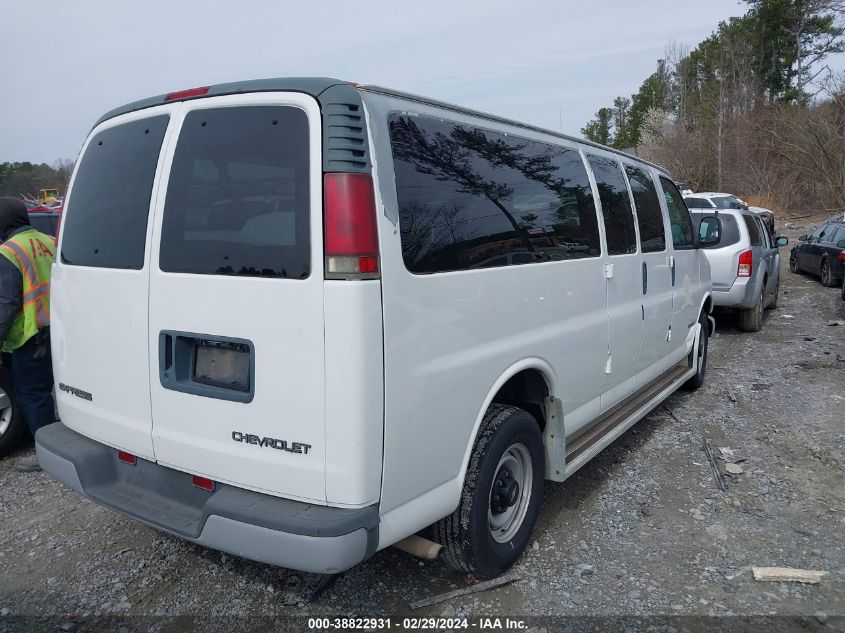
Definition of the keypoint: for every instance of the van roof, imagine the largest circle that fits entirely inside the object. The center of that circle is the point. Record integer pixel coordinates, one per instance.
(316, 86)
(492, 117)
(313, 86)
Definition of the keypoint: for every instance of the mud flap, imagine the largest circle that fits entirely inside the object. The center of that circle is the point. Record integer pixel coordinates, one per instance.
(554, 440)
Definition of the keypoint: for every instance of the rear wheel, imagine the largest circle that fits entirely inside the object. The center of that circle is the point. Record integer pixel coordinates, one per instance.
(826, 274)
(751, 320)
(12, 422)
(501, 498)
(793, 262)
(843, 290)
(700, 352)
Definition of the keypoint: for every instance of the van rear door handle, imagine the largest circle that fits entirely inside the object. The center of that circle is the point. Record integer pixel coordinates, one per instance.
(645, 278)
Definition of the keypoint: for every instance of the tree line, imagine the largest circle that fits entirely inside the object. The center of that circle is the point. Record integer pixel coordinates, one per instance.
(26, 179)
(753, 110)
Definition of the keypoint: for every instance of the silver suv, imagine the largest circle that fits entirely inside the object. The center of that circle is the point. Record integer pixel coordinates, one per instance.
(744, 262)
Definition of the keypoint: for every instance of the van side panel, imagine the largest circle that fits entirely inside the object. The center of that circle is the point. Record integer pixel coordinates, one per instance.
(449, 337)
(354, 392)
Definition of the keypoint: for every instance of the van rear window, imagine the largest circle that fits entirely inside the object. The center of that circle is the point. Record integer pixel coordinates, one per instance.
(237, 200)
(109, 204)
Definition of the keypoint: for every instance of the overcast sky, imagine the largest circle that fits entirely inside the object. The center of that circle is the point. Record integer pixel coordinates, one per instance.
(550, 63)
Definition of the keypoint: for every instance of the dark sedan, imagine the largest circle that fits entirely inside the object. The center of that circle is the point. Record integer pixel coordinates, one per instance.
(820, 253)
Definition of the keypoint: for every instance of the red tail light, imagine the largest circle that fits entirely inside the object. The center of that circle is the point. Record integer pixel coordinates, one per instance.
(841, 255)
(351, 240)
(745, 261)
(126, 458)
(187, 94)
(203, 482)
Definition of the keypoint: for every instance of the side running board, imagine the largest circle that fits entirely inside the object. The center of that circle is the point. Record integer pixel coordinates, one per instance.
(623, 416)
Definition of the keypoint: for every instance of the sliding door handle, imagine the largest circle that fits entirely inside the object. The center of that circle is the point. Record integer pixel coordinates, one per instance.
(645, 278)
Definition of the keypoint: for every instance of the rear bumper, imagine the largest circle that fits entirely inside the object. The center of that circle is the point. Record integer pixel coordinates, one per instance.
(261, 527)
(743, 293)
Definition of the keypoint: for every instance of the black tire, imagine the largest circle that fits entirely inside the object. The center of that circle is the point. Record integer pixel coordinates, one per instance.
(843, 290)
(773, 303)
(467, 533)
(701, 351)
(751, 320)
(793, 262)
(11, 417)
(826, 274)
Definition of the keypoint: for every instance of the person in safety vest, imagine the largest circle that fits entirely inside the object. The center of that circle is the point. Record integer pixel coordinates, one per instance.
(26, 257)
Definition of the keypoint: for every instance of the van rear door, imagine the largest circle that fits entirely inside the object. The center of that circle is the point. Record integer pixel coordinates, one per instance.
(100, 282)
(236, 296)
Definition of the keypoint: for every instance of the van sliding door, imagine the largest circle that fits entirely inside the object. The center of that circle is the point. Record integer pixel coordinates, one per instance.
(625, 280)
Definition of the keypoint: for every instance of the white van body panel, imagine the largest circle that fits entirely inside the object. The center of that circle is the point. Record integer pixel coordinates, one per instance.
(354, 367)
(450, 336)
(99, 329)
(282, 318)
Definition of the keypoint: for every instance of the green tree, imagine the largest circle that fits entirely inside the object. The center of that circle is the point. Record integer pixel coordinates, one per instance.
(793, 39)
(598, 130)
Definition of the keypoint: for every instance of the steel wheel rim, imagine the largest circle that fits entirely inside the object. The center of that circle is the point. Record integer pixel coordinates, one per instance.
(5, 417)
(793, 262)
(504, 525)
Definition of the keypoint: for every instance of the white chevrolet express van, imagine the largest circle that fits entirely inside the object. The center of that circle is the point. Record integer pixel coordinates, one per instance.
(298, 320)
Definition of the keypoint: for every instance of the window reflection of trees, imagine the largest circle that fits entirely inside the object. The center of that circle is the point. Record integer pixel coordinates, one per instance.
(616, 206)
(537, 194)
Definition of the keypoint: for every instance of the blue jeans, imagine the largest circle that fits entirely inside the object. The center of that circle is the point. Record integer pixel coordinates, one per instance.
(32, 379)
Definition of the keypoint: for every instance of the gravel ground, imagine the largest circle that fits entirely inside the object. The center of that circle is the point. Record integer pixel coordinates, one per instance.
(642, 530)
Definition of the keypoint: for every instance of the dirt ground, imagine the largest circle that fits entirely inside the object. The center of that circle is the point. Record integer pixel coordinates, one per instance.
(643, 530)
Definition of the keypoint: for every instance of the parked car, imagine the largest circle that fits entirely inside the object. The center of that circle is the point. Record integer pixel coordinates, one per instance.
(300, 361)
(768, 217)
(33, 206)
(708, 200)
(48, 222)
(820, 253)
(744, 263)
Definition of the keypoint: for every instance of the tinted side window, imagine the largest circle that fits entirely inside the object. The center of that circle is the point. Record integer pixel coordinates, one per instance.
(109, 205)
(754, 233)
(679, 219)
(473, 198)
(615, 205)
(696, 203)
(820, 230)
(238, 201)
(649, 215)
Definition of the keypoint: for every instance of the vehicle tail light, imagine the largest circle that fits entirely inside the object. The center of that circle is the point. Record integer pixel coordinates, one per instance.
(744, 268)
(203, 482)
(187, 94)
(351, 240)
(841, 255)
(127, 458)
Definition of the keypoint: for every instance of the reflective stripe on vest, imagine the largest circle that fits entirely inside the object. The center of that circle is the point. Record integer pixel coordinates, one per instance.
(23, 261)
